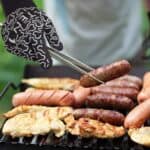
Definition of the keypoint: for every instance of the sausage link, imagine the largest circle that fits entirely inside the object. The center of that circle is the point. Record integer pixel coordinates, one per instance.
(146, 80)
(109, 116)
(106, 73)
(44, 97)
(145, 92)
(137, 116)
(123, 84)
(128, 92)
(105, 100)
(131, 78)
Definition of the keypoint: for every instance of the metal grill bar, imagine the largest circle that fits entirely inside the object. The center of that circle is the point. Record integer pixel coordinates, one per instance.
(34, 139)
(3, 138)
(6, 88)
(21, 140)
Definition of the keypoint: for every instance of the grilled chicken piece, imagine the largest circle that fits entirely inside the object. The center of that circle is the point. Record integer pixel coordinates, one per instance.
(140, 135)
(58, 127)
(53, 112)
(33, 123)
(26, 125)
(52, 83)
(86, 127)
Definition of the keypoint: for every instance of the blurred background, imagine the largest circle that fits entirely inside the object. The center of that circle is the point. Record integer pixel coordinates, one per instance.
(12, 67)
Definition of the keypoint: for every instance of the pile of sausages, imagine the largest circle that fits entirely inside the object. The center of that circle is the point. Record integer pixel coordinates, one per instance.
(118, 94)
(101, 102)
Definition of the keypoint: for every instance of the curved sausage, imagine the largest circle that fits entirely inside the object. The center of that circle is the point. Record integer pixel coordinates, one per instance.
(44, 97)
(143, 95)
(137, 116)
(105, 100)
(145, 92)
(146, 80)
(109, 116)
(128, 92)
(106, 73)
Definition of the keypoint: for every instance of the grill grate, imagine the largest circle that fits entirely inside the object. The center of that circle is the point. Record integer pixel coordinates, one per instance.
(69, 142)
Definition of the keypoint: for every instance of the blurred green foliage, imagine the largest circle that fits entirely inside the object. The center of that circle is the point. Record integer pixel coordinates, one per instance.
(146, 30)
(11, 67)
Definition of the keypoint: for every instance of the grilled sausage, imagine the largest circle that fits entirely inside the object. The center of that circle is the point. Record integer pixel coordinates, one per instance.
(106, 73)
(143, 95)
(131, 78)
(128, 92)
(44, 97)
(105, 100)
(123, 84)
(145, 92)
(137, 116)
(109, 116)
(146, 80)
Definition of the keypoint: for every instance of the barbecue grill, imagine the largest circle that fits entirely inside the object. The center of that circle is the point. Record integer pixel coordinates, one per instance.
(67, 142)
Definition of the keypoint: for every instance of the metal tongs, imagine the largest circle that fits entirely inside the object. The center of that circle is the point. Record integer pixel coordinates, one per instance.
(73, 63)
